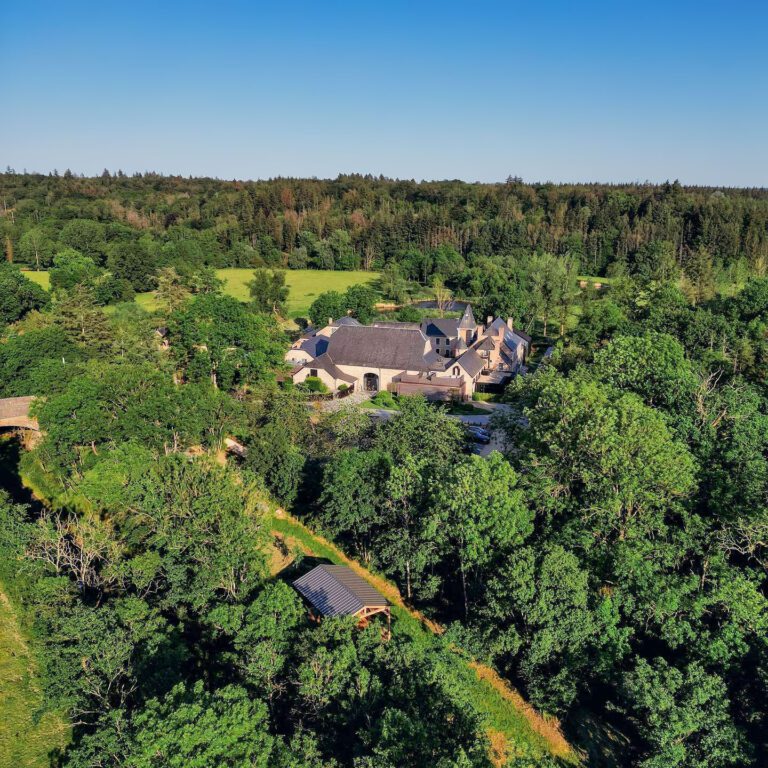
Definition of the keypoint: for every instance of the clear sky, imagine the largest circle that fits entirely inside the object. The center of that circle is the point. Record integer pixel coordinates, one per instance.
(561, 91)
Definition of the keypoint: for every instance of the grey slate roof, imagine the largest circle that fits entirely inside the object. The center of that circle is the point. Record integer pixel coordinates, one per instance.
(325, 362)
(486, 343)
(471, 362)
(521, 334)
(440, 326)
(346, 320)
(395, 324)
(369, 346)
(468, 318)
(315, 345)
(336, 590)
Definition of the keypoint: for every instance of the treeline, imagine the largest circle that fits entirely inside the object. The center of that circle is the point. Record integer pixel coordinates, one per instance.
(426, 229)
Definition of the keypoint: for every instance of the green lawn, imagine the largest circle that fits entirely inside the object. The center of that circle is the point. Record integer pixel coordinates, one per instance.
(304, 285)
(26, 740)
(41, 278)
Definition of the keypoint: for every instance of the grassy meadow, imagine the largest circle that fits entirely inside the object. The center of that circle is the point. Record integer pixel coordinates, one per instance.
(26, 739)
(304, 285)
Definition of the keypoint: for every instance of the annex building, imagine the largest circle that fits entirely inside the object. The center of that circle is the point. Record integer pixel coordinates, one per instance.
(444, 359)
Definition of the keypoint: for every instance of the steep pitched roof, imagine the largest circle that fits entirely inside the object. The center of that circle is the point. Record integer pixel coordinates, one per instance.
(346, 320)
(471, 362)
(440, 326)
(495, 325)
(325, 363)
(467, 319)
(336, 590)
(314, 345)
(365, 345)
(485, 343)
(521, 334)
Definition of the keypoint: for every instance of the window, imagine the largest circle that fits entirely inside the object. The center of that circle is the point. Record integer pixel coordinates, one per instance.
(456, 371)
(313, 372)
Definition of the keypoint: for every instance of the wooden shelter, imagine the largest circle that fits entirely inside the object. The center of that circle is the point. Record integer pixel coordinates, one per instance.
(336, 590)
(14, 412)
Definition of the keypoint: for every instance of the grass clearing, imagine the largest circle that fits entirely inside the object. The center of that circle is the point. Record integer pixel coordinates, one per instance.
(304, 285)
(26, 740)
(513, 726)
(43, 279)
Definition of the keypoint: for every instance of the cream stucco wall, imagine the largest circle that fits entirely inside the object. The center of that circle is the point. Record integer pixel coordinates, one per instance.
(324, 376)
(298, 356)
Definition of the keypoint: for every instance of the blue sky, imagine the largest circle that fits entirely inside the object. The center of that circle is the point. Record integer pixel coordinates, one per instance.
(561, 91)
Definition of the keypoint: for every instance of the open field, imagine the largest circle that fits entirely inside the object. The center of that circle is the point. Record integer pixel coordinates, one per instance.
(25, 740)
(304, 285)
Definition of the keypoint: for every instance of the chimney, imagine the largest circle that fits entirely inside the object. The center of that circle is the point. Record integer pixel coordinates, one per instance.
(489, 320)
(330, 321)
(510, 324)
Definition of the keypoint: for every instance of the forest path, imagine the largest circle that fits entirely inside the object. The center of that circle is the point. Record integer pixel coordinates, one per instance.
(511, 719)
(26, 741)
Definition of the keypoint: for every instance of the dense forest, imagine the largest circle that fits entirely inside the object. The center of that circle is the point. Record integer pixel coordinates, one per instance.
(610, 562)
(456, 231)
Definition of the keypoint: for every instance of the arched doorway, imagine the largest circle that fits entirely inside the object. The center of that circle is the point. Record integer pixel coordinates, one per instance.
(371, 382)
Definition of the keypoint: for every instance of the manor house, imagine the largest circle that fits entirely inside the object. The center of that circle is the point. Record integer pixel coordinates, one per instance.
(445, 359)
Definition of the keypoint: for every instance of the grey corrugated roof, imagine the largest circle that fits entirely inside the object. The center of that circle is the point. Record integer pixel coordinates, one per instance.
(471, 362)
(336, 590)
(15, 407)
(365, 345)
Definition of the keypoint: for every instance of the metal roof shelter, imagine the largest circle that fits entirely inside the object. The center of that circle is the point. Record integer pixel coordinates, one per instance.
(14, 412)
(336, 590)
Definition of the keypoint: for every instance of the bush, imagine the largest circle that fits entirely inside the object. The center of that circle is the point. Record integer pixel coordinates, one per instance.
(343, 387)
(385, 399)
(408, 314)
(314, 384)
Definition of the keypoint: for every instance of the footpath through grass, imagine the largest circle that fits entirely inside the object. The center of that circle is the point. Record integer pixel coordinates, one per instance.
(514, 727)
(26, 740)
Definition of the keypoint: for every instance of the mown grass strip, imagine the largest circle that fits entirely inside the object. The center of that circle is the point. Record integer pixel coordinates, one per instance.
(27, 737)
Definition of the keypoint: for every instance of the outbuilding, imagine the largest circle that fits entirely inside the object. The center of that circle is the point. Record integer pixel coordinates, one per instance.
(336, 590)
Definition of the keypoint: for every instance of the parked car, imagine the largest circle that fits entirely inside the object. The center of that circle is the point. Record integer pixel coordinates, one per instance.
(479, 435)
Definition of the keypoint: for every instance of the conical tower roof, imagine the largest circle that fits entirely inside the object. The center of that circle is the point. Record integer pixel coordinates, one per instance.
(467, 319)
